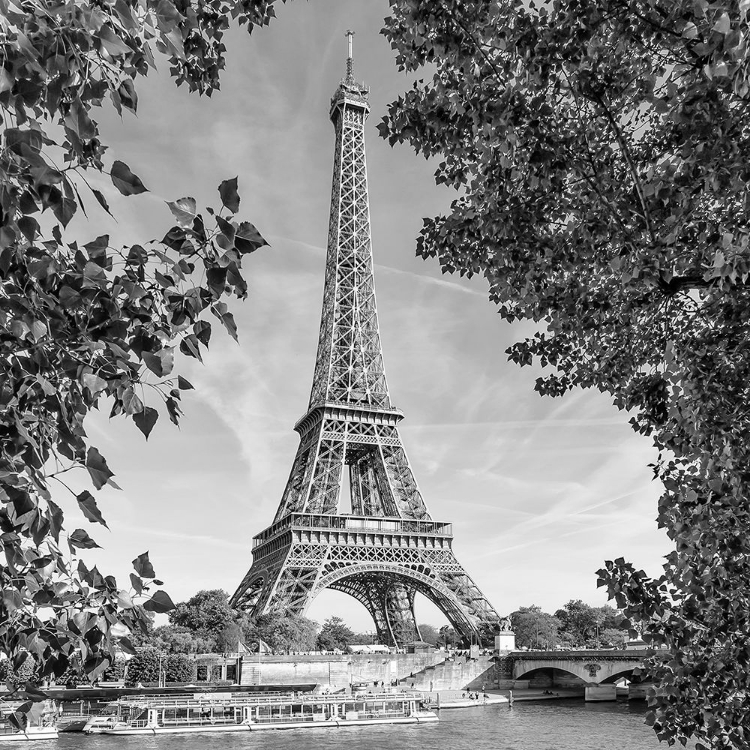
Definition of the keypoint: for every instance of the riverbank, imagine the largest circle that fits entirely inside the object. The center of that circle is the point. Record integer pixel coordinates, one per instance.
(460, 698)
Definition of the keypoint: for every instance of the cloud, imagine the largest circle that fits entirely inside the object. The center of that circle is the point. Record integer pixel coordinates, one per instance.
(199, 539)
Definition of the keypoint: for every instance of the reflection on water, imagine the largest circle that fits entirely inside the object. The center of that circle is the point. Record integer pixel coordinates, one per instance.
(551, 725)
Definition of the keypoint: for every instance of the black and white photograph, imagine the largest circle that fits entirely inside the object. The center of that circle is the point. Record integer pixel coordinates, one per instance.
(379, 368)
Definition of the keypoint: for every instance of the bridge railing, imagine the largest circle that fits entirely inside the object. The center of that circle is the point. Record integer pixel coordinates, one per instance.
(620, 654)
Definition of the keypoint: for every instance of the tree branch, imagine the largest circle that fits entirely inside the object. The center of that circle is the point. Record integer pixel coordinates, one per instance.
(631, 164)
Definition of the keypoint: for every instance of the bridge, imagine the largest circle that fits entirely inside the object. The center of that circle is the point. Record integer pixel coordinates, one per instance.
(596, 669)
(590, 665)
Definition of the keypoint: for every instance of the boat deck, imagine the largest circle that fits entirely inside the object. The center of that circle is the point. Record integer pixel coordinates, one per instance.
(236, 713)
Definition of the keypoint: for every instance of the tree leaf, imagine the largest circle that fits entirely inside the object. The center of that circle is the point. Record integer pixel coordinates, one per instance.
(143, 566)
(111, 43)
(146, 419)
(55, 516)
(94, 383)
(124, 599)
(229, 196)
(79, 122)
(126, 645)
(97, 468)
(35, 695)
(159, 602)
(29, 226)
(136, 583)
(95, 667)
(127, 94)
(101, 200)
(19, 718)
(130, 402)
(161, 362)
(79, 538)
(12, 600)
(184, 385)
(247, 238)
(228, 320)
(173, 409)
(125, 181)
(723, 24)
(88, 505)
(184, 210)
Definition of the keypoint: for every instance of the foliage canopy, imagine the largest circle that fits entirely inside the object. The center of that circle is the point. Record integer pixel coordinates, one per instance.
(283, 633)
(207, 612)
(575, 625)
(335, 634)
(534, 628)
(81, 322)
(206, 623)
(601, 152)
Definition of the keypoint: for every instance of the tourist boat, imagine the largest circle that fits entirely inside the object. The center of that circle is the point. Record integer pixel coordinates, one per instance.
(41, 722)
(241, 713)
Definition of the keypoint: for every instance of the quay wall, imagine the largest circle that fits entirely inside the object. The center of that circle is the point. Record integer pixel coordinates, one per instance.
(461, 673)
(338, 671)
(427, 671)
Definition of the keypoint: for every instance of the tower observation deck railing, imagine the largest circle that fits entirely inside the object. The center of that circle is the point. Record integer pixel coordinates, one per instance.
(376, 524)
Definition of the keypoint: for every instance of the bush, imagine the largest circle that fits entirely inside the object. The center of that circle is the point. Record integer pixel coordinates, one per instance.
(143, 667)
(116, 671)
(178, 668)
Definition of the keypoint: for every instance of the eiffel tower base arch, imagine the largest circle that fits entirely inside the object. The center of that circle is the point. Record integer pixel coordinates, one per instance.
(382, 563)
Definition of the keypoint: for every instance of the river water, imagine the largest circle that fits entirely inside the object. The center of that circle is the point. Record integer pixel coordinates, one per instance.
(548, 725)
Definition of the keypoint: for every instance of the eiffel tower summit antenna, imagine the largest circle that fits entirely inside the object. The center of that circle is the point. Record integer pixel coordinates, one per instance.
(386, 548)
(350, 60)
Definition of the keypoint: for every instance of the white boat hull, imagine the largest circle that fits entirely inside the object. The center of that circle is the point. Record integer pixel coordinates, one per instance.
(423, 717)
(150, 731)
(30, 735)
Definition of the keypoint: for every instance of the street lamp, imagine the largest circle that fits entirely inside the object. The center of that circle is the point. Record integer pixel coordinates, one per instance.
(162, 675)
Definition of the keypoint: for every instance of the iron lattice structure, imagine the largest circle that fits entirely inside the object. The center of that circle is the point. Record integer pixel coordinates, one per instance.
(388, 548)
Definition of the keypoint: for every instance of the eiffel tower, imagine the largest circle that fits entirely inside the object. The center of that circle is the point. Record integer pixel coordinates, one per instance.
(388, 548)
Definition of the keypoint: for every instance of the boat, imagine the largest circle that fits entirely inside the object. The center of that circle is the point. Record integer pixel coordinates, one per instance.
(41, 722)
(214, 712)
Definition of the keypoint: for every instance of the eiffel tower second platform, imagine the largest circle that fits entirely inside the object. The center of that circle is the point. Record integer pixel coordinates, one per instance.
(388, 548)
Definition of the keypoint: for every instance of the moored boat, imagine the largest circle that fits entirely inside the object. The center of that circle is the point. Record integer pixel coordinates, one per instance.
(41, 720)
(240, 713)
(30, 734)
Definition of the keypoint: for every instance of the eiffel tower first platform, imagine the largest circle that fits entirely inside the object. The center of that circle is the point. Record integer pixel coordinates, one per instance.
(388, 548)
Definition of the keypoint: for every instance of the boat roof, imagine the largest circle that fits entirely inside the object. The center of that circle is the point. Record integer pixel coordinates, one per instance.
(242, 699)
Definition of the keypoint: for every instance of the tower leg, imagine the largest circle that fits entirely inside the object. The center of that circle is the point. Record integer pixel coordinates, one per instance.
(399, 608)
(390, 603)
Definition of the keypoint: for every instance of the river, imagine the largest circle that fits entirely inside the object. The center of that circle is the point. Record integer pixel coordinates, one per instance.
(548, 725)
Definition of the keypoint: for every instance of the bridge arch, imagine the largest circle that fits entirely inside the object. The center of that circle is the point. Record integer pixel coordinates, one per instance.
(626, 673)
(549, 676)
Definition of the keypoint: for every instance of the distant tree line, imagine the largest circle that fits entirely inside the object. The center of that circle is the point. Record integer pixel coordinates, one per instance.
(206, 624)
(575, 625)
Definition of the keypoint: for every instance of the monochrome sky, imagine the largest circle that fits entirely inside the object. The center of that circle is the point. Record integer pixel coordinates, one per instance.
(540, 491)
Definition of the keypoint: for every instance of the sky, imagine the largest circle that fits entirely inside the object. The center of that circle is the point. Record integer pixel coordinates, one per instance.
(540, 491)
